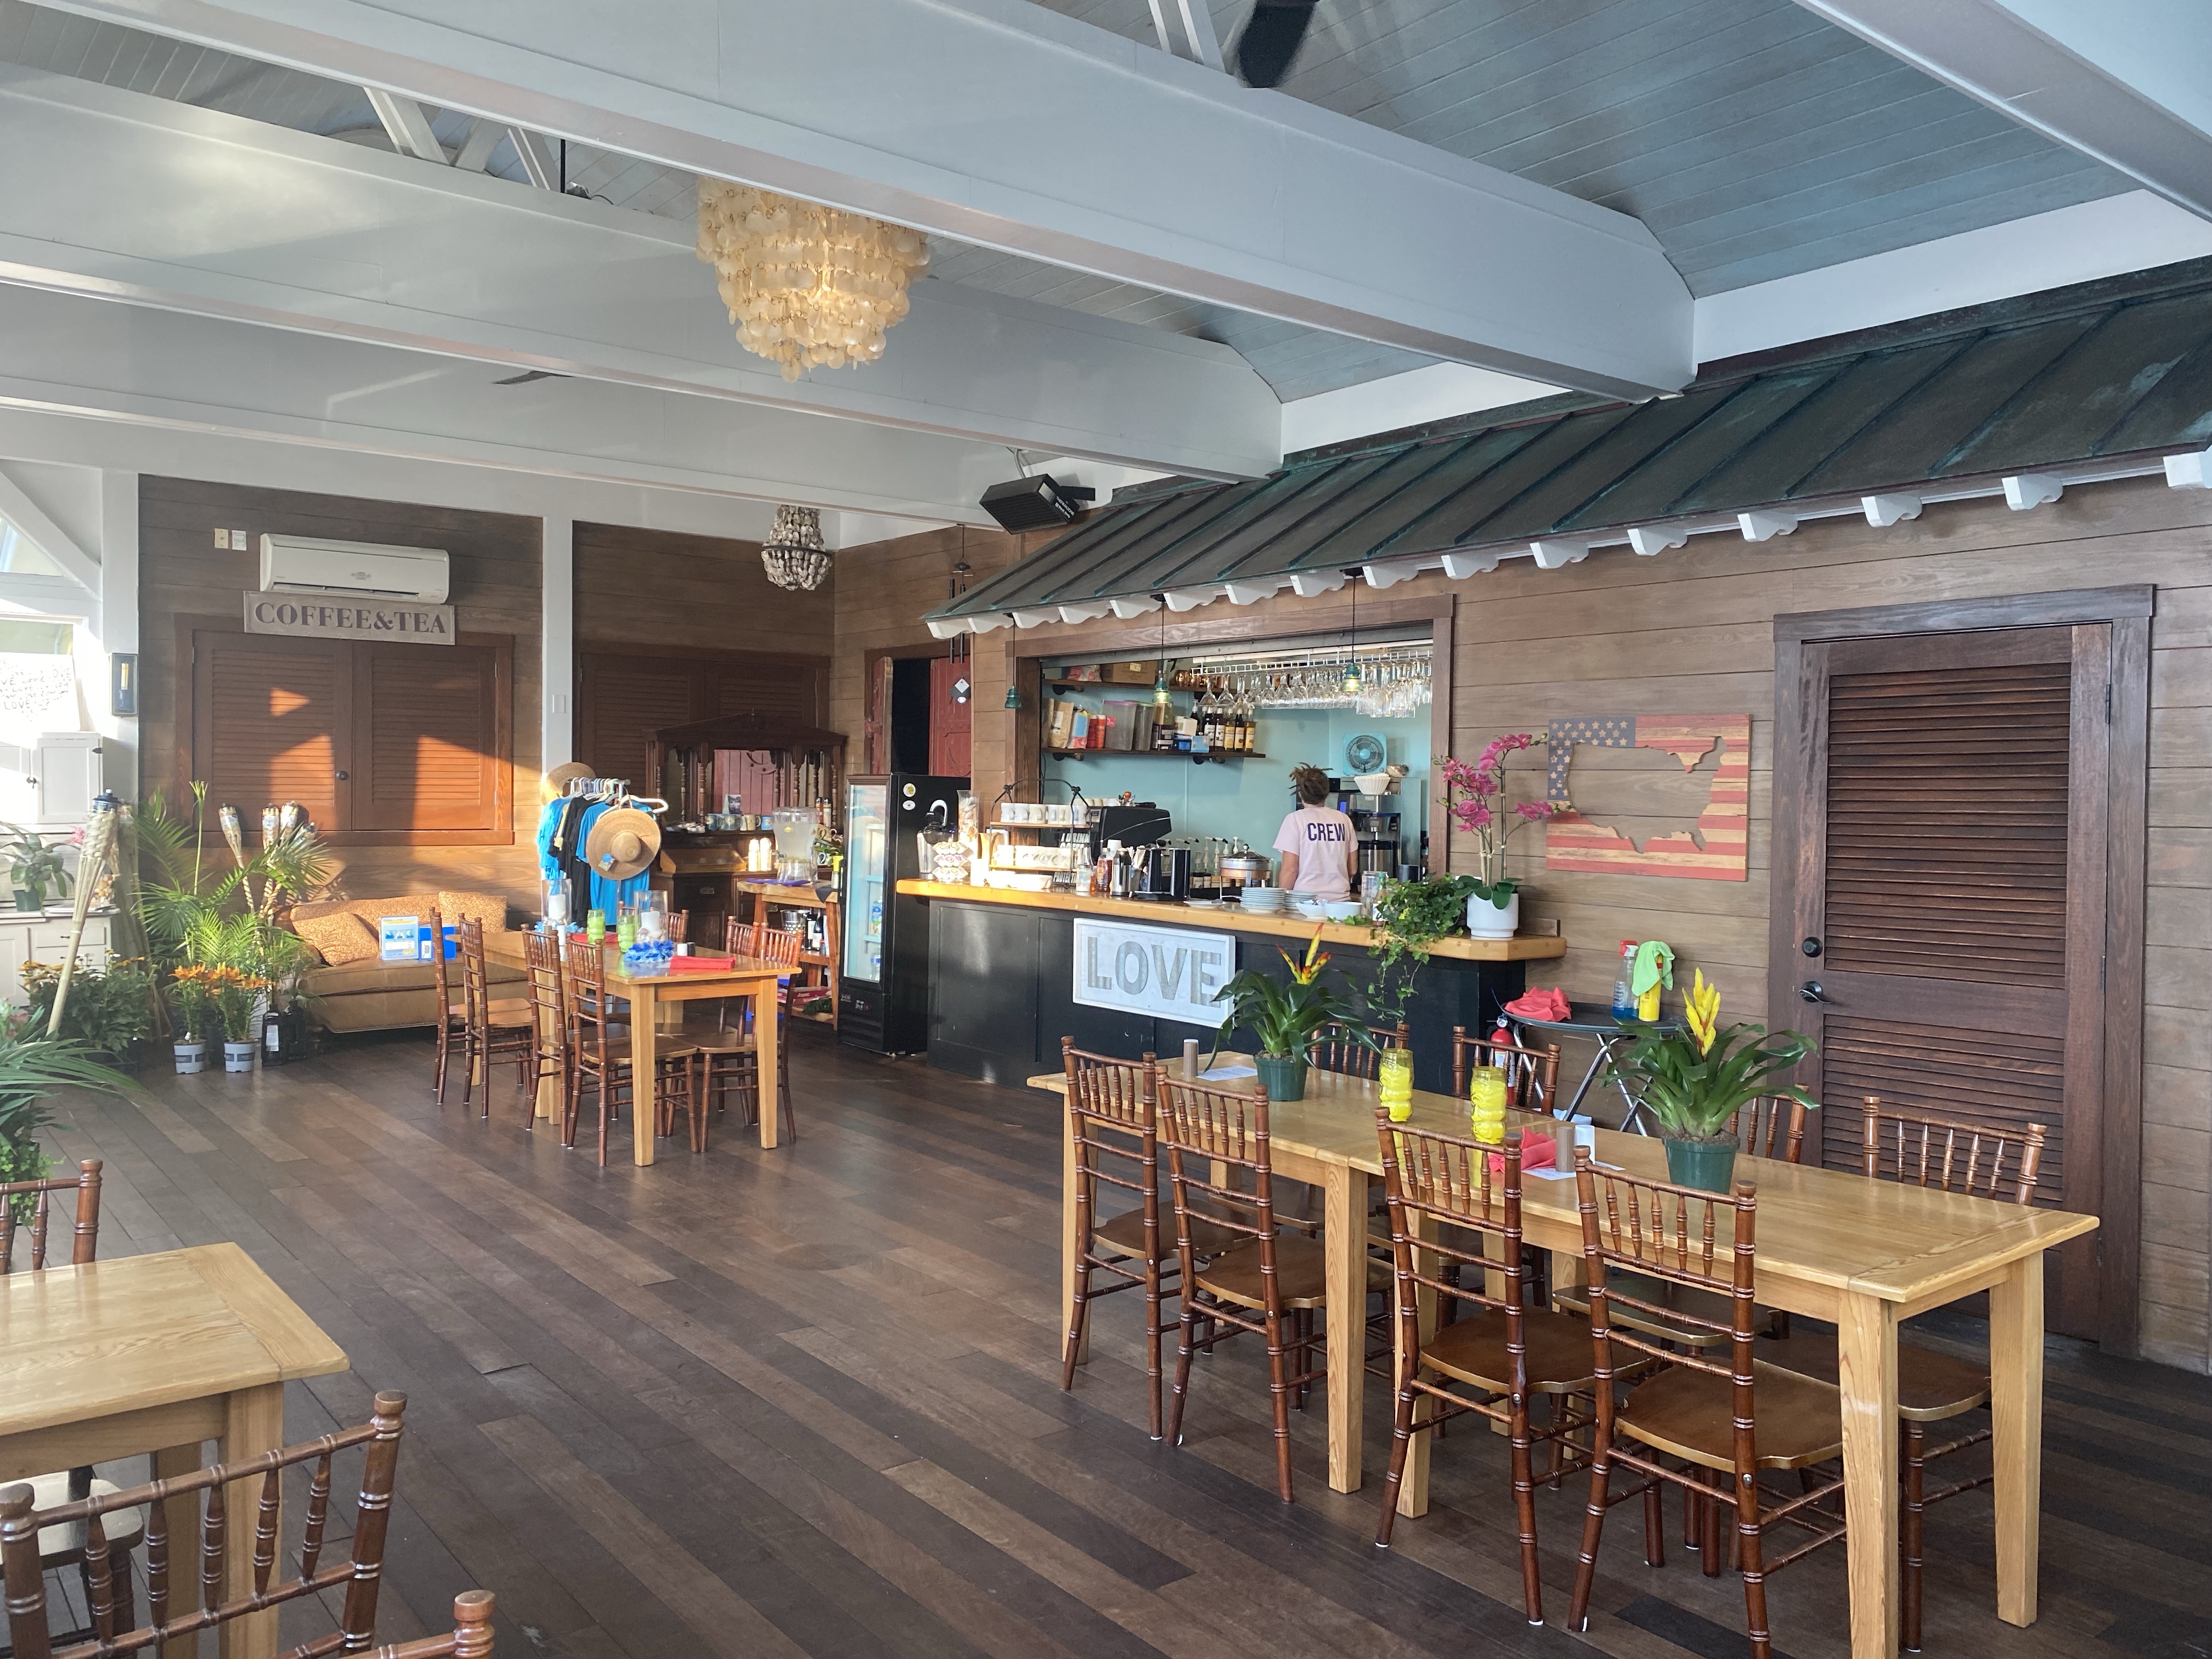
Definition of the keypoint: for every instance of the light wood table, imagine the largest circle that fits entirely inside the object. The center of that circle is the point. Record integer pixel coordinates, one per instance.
(1861, 1255)
(157, 1353)
(657, 1002)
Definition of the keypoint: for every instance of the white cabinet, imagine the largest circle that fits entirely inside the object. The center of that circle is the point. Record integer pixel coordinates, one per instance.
(43, 939)
(65, 777)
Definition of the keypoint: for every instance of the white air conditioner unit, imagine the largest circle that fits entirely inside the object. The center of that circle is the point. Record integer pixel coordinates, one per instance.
(300, 564)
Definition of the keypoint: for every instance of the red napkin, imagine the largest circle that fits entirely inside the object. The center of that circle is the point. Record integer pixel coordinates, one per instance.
(1551, 1005)
(701, 964)
(1538, 1151)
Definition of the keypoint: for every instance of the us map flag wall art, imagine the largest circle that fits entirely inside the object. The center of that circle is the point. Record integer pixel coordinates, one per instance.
(1718, 849)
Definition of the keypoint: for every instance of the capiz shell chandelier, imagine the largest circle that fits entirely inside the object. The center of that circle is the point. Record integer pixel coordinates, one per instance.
(793, 556)
(807, 286)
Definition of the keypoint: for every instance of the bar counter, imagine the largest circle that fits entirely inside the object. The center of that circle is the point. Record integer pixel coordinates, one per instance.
(1002, 987)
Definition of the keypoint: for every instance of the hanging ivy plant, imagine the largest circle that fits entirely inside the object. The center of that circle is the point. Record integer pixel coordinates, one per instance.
(1409, 917)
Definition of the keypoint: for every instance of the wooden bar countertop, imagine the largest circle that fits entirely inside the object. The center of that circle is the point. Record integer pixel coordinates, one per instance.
(1230, 917)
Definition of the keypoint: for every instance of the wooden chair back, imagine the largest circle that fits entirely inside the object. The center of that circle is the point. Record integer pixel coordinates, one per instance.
(779, 945)
(1922, 1151)
(33, 1200)
(1655, 1231)
(179, 1611)
(1339, 1049)
(1772, 1126)
(443, 980)
(1532, 1075)
(1446, 1201)
(470, 1637)
(475, 972)
(590, 1009)
(737, 937)
(1219, 1164)
(549, 989)
(679, 926)
(1113, 1121)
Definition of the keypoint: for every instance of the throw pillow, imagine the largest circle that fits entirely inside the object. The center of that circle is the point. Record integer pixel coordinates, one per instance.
(489, 909)
(342, 937)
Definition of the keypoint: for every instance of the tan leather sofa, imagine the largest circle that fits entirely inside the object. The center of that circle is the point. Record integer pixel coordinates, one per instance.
(373, 995)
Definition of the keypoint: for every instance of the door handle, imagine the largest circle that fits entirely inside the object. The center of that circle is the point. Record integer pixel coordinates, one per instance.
(1811, 992)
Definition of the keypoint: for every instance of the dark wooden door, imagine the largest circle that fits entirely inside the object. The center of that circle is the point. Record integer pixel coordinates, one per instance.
(1947, 903)
(951, 717)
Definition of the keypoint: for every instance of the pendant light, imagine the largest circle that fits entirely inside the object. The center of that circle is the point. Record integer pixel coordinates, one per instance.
(1352, 682)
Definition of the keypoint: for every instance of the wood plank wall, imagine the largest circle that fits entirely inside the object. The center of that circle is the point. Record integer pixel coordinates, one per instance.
(1691, 632)
(884, 589)
(647, 587)
(496, 586)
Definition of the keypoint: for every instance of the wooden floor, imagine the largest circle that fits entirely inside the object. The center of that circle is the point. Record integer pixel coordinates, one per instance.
(806, 1402)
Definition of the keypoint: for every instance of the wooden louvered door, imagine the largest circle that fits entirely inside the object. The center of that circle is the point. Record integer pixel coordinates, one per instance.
(1950, 890)
(430, 741)
(272, 721)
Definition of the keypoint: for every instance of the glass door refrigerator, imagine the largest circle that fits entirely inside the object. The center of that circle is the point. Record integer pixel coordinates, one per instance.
(883, 981)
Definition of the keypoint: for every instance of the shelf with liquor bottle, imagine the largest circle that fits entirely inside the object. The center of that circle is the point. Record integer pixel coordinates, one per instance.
(1187, 715)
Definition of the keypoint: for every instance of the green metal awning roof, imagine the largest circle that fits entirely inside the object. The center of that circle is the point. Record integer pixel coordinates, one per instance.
(2023, 398)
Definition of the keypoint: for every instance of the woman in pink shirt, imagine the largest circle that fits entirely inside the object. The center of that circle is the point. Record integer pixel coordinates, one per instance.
(1320, 851)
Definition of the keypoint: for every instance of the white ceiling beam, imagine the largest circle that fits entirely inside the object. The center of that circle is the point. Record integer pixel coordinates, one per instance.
(477, 148)
(116, 201)
(97, 361)
(56, 543)
(1297, 213)
(537, 160)
(406, 125)
(2129, 84)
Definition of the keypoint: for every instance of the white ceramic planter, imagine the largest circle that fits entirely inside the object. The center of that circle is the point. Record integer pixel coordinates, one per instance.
(1486, 920)
(237, 1056)
(190, 1057)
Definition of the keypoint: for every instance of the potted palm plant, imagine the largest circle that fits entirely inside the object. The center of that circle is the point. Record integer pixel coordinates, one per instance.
(1286, 1015)
(1695, 1078)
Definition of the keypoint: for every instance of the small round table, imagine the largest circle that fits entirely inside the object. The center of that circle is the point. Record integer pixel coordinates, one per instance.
(1605, 1033)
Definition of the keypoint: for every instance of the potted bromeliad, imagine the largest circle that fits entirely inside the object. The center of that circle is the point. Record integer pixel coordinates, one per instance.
(1286, 1016)
(1494, 905)
(1693, 1079)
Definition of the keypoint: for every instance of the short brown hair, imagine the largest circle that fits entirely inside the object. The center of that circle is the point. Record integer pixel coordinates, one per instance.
(1311, 781)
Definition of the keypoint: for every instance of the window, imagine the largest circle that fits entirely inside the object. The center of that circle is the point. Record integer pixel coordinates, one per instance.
(382, 743)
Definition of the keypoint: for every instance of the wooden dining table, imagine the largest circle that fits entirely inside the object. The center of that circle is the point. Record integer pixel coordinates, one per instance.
(157, 1353)
(1832, 1245)
(656, 1008)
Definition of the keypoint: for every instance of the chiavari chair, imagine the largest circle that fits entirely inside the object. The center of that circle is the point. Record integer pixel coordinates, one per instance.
(495, 1030)
(728, 1054)
(679, 926)
(2004, 1165)
(470, 1637)
(62, 1547)
(548, 982)
(180, 1609)
(1711, 1426)
(1269, 1283)
(1532, 1075)
(1441, 1189)
(601, 1058)
(453, 1010)
(1771, 1126)
(37, 1197)
(1339, 1047)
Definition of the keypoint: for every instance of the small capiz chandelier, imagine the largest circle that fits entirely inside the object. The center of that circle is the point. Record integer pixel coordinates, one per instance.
(793, 556)
(806, 286)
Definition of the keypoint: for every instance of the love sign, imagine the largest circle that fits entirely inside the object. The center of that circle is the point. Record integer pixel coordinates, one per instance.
(1168, 973)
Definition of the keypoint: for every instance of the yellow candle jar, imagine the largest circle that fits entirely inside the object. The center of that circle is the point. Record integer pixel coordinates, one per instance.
(1486, 1094)
(1395, 1079)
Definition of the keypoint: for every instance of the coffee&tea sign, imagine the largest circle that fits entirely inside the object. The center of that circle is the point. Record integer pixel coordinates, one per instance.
(304, 618)
(1165, 972)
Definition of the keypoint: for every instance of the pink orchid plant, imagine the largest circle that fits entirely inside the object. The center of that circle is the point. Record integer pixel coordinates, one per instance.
(1481, 811)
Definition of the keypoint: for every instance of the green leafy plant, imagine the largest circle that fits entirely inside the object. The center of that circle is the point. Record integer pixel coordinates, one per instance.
(31, 1069)
(192, 1000)
(1286, 1015)
(34, 864)
(1410, 916)
(110, 1009)
(1695, 1079)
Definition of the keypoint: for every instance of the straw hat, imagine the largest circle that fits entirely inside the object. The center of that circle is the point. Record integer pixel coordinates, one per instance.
(623, 840)
(555, 784)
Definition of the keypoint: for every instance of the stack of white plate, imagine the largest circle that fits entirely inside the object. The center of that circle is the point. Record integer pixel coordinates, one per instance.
(1267, 899)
